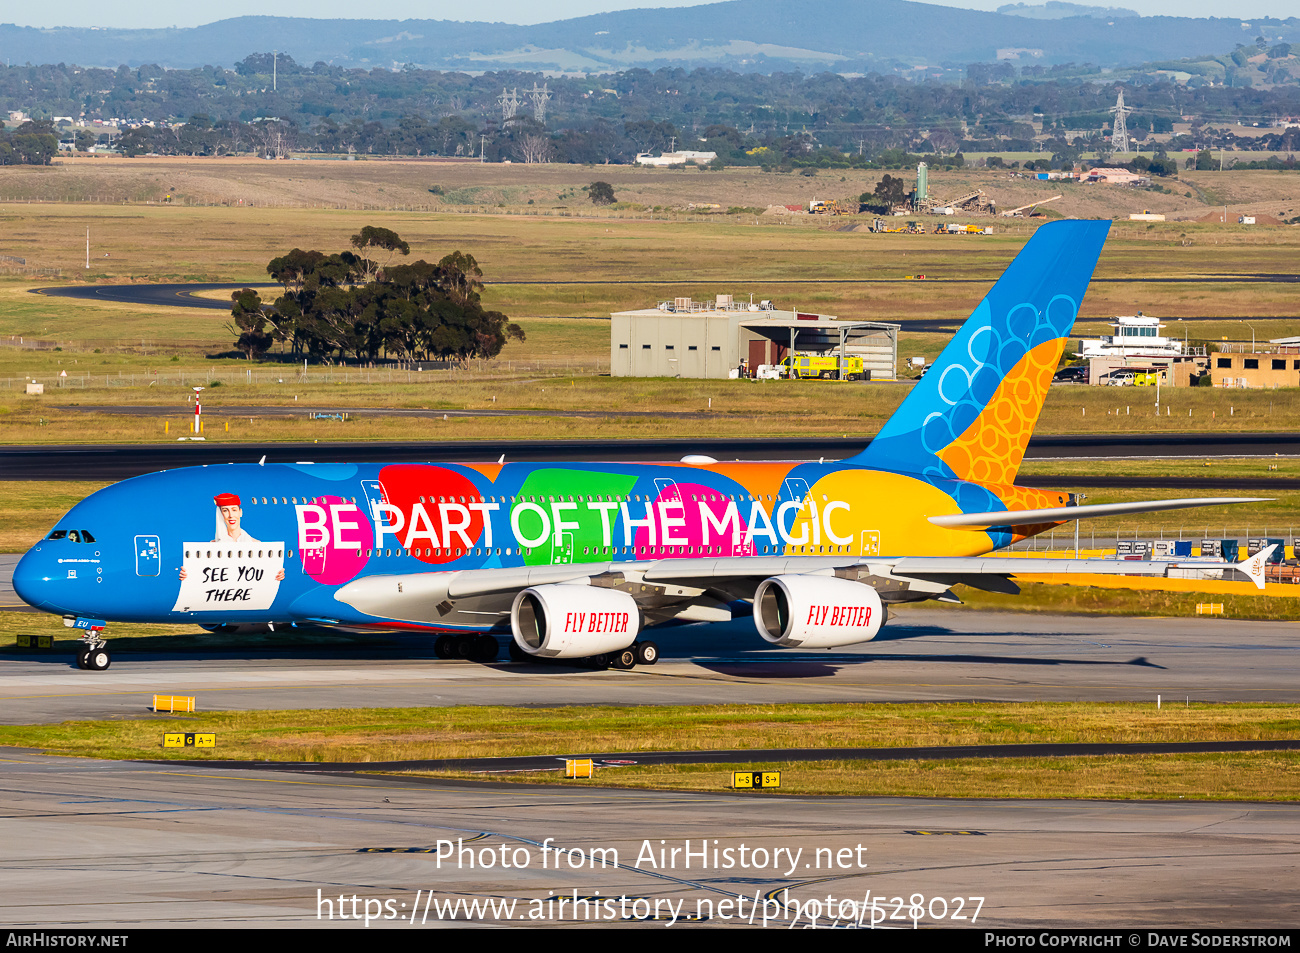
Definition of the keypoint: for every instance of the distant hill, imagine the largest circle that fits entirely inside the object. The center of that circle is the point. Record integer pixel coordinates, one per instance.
(744, 35)
(1059, 10)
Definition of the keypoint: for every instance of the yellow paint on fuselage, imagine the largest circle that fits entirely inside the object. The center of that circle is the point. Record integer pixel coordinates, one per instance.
(897, 508)
(887, 514)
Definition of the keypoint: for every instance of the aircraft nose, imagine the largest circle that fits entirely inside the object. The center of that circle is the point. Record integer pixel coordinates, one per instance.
(32, 580)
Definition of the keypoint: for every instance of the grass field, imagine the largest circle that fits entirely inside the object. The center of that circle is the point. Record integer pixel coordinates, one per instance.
(1253, 776)
(497, 731)
(616, 407)
(468, 732)
(625, 258)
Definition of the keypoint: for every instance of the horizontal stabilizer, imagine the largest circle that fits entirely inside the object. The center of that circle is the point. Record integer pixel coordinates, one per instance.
(1062, 514)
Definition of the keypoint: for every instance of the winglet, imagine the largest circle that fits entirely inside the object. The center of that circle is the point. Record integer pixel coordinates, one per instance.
(1254, 566)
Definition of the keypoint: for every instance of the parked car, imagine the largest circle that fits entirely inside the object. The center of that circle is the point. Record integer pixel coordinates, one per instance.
(1077, 374)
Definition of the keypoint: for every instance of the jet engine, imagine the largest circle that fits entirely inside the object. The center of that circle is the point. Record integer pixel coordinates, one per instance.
(564, 621)
(816, 612)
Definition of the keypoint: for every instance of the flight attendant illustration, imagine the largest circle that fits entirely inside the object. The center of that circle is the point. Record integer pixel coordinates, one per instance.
(230, 513)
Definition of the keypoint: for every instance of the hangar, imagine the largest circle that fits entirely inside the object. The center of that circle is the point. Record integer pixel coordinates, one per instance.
(712, 339)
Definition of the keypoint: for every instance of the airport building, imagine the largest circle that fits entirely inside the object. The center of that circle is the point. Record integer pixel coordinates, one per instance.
(724, 338)
(1139, 352)
(1250, 366)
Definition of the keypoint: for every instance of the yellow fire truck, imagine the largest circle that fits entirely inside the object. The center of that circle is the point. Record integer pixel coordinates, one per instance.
(824, 366)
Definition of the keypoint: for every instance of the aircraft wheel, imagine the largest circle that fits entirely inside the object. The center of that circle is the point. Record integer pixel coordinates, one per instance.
(444, 647)
(625, 659)
(81, 658)
(484, 649)
(647, 653)
(463, 647)
(98, 660)
(517, 654)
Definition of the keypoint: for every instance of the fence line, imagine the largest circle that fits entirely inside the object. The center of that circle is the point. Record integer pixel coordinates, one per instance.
(415, 373)
(482, 208)
(1062, 538)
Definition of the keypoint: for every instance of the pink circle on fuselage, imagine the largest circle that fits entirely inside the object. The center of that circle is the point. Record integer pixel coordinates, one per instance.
(689, 502)
(329, 563)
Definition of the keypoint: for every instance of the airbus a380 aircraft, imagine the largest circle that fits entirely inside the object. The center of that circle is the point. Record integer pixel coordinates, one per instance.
(575, 560)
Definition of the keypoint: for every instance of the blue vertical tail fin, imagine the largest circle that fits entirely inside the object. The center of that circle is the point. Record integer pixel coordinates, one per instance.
(972, 414)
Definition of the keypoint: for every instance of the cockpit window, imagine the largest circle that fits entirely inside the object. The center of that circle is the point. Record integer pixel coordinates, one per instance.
(72, 535)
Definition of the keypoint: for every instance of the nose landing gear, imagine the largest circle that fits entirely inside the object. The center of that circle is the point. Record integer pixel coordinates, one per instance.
(92, 649)
(92, 654)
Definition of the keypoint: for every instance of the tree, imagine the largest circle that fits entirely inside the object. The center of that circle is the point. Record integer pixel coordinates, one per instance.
(371, 240)
(890, 191)
(534, 148)
(341, 305)
(254, 340)
(602, 193)
(461, 275)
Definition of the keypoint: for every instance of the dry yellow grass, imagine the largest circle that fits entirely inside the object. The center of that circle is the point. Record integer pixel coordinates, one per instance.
(492, 731)
(389, 183)
(1252, 776)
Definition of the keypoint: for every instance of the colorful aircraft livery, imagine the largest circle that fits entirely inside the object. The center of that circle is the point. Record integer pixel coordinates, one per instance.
(574, 560)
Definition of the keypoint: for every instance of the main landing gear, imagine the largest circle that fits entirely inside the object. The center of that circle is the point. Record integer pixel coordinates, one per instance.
(638, 653)
(484, 648)
(475, 648)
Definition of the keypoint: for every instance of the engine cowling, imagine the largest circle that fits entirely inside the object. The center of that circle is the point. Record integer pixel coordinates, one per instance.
(573, 621)
(816, 612)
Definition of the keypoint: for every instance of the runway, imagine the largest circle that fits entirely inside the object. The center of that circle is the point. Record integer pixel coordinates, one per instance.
(923, 654)
(120, 461)
(92, 844)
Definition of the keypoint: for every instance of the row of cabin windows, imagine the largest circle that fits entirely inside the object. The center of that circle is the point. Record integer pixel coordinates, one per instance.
(667, 347)
(525, 498)
(609, 551)
(509, 551)
(605, 551)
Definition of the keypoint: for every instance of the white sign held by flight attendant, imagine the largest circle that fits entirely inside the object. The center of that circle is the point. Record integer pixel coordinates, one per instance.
(217, 577)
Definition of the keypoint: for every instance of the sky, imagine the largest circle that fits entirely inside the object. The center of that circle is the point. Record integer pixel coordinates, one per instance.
(165, 13)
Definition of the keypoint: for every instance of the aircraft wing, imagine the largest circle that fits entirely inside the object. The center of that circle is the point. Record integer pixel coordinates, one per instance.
(427, 596)
(945, 570)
